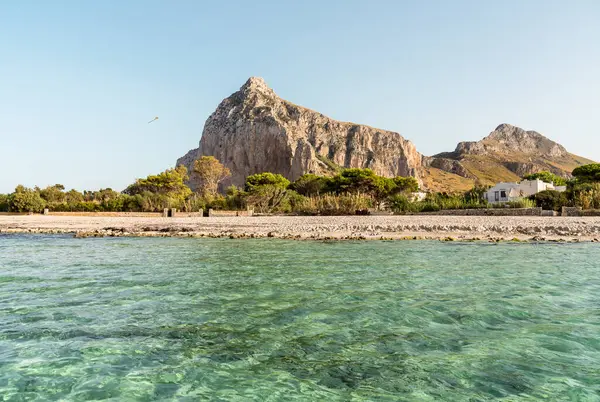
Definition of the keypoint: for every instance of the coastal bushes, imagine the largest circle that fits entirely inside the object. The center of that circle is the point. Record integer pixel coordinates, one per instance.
(522, 203)
(349, 191)
(346, 192)
(26, 200)
(310, 185)
(332, 204)
(433, 202)
(587, 173)
(472, 199)
(268, 192)
(162, 190)
(550, 200)
(585, 195)
(584, 190)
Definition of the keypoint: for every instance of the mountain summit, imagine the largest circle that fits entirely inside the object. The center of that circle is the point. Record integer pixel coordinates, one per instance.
(509, 139)
(254, 131)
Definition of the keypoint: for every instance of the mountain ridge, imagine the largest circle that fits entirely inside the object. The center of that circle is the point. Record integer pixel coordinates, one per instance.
(254, 130)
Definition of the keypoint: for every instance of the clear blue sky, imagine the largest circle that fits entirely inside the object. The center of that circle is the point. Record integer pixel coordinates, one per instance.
(80, 79)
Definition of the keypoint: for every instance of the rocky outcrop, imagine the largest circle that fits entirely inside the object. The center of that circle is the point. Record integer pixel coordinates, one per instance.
(523, 168)
(448, 165)
(255, 131)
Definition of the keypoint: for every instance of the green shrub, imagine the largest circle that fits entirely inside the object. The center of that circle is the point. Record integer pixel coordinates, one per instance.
(453, 201)
(476, 195)
(309, 185)
(330, 204)
(3, 202)
(52, 194)
(218, 203)
(550, 200)
(400, 204)
(266, 199)
(235, 198)
(85, 206)
(427, 206)
(194, 203)
(405, 184)
(164, 190)
(25, 200)
(293, 200)
(587, 173)
(354, 181)
(585, 195)
(157, 202)
(266, 179)
(522, 203)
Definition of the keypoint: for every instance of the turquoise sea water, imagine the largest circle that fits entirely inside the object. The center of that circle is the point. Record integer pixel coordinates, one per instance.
(269, 320)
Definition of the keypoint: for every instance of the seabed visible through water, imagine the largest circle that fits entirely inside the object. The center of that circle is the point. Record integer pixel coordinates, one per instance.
(258, 319)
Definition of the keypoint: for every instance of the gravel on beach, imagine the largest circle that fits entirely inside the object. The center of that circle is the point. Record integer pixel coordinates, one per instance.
(317, 227)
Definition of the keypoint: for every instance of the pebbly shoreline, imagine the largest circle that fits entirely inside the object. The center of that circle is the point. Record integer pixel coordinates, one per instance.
(491, 228)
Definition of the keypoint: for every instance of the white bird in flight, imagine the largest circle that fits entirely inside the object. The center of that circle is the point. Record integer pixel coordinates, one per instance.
(154, 119)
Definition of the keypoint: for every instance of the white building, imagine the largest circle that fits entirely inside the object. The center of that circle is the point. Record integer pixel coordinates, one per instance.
(505, 192)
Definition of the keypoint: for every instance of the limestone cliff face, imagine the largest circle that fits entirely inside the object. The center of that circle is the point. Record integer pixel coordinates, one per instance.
(255, 131)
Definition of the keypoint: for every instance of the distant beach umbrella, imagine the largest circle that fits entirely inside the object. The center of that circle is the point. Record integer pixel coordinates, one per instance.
(154, 119)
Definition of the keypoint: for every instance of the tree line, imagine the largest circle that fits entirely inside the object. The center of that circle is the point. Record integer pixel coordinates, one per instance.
(346, 192)
(349, 191)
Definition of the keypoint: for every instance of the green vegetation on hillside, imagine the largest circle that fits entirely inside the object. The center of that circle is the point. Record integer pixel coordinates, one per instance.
(493, 168)
(331, 165)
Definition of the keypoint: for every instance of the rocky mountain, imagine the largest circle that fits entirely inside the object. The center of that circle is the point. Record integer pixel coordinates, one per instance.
(507, 154)
(255, 131)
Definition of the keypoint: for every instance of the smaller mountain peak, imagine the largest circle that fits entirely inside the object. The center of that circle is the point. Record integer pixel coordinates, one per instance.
(509, 138)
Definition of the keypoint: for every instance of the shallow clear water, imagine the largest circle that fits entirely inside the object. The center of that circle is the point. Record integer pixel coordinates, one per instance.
(269, 320)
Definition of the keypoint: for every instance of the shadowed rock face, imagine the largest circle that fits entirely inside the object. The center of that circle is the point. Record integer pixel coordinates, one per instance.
(255, 131)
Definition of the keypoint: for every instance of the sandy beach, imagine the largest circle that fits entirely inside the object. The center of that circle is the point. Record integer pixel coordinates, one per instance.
(331, 227)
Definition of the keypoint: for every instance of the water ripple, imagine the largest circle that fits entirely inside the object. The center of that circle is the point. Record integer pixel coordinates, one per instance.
(194, 319)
